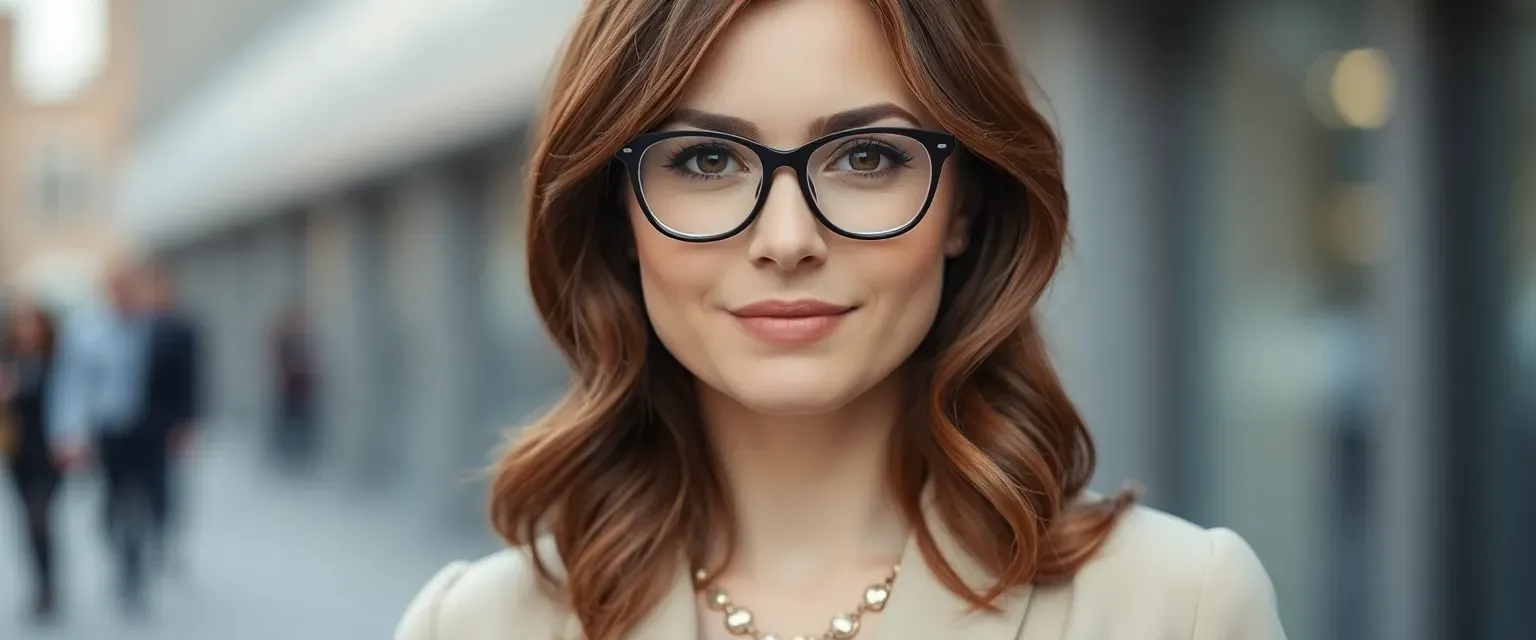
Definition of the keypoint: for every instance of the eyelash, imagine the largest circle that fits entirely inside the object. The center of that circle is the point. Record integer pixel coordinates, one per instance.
(896, 155)
(679, 158)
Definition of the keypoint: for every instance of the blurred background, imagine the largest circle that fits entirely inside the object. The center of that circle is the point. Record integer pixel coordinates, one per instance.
(1301, 302)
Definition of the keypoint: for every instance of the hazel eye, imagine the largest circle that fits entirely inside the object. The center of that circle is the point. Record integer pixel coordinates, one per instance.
(707, 161)
(867, 157)
(864, 160)
(710, 162)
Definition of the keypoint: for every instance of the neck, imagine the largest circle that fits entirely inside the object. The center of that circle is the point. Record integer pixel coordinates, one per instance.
(809, 492)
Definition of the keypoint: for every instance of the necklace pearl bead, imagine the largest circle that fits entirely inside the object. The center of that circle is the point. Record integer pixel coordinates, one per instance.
(739, 621)
(844, 626)
(875, 597)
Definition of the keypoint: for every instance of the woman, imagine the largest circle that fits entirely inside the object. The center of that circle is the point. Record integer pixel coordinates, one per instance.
(809, 396)
(26, 355)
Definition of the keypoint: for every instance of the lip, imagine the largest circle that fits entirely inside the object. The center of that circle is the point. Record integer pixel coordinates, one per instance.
(790, 309)
(790, 322)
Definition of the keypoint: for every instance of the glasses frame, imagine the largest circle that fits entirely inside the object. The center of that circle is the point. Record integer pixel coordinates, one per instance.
(939, 145)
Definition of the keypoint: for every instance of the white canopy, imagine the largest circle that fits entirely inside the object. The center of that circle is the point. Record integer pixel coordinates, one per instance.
(342, 90)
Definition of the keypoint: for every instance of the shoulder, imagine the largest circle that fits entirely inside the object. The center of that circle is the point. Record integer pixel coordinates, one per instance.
(174, 324)
(185, 325)
(486, 599)
(84, 324)
(82, 332)
(1158, 571)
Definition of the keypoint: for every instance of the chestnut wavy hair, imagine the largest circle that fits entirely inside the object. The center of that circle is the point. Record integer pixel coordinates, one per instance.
(618, 472)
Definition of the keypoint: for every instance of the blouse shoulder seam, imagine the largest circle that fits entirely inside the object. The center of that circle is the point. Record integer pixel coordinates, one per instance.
(1205, 581)
(456, 571)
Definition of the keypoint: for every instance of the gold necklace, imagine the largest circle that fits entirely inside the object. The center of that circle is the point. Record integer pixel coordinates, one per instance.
(739, 620)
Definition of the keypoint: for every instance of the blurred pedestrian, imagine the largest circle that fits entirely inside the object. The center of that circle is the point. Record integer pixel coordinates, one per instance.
(171, 395)
(26, 357)
(111, 382)
(294, 437)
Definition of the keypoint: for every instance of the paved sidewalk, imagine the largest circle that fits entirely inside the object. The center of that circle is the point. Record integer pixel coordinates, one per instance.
(263, 558)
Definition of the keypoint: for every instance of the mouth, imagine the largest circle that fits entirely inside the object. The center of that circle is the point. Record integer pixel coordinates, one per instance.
(791, 322)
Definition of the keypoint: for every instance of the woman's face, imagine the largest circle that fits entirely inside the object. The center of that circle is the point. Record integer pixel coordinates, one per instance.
(784, 67)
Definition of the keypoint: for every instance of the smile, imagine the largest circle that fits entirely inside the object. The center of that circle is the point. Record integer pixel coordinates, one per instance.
(791, 323)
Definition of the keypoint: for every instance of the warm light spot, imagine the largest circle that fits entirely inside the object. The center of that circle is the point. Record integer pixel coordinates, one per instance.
(1363, 88)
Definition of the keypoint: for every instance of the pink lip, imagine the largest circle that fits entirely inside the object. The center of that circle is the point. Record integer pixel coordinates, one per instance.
(790, 323)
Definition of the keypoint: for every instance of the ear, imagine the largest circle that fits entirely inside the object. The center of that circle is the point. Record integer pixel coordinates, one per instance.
(958, 235)
(966, 209)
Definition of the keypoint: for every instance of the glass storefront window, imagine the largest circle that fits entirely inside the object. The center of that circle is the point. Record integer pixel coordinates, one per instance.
(1524, 184)
(1512, 562)
(1287, 229)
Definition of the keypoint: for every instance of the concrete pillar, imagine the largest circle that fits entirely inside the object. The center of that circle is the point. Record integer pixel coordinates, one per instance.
(270, 268)
(433, 276)
(225, 280)
(342, 290)
(527, 372)
(1406, 602)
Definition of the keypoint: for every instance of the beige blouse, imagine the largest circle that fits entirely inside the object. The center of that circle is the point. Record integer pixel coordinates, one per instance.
(1156, 578)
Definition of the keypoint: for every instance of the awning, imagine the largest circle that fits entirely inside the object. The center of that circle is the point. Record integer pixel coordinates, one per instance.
(342, 91)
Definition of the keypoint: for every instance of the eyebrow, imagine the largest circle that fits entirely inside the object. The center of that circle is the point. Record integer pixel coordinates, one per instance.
(715, 122)
(840, 121)
(859, 117)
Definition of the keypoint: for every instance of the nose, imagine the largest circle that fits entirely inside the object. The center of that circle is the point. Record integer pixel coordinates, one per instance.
(786, 234)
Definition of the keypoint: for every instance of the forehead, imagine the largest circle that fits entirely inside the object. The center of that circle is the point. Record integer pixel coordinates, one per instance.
(784, 63)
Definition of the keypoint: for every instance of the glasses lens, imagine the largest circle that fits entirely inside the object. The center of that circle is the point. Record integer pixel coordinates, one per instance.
(871, 182)
(699, 185)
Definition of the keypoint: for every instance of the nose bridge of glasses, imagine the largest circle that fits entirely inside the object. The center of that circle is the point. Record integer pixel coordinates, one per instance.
(790, 189)
(775, 159)
(793, 164)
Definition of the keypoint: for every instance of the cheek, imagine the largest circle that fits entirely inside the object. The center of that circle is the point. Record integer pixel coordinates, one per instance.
(906, 276)
(909, 269)
(675, 280)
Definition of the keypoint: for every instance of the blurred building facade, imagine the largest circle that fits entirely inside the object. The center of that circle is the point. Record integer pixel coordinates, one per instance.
(1301, 304)
(58, 159)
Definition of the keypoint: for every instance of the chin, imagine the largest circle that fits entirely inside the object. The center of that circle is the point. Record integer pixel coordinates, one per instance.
(792, 402)
(788, 391)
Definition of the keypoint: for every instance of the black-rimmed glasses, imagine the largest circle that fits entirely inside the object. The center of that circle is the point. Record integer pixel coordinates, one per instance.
(871, 183)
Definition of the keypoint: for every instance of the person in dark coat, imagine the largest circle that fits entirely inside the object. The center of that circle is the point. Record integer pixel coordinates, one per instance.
(171, 397)
(26, 355)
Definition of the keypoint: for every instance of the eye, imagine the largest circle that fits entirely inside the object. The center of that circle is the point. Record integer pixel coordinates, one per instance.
(868, 157)
(865, 159)
(705, 160)
(711, 162)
